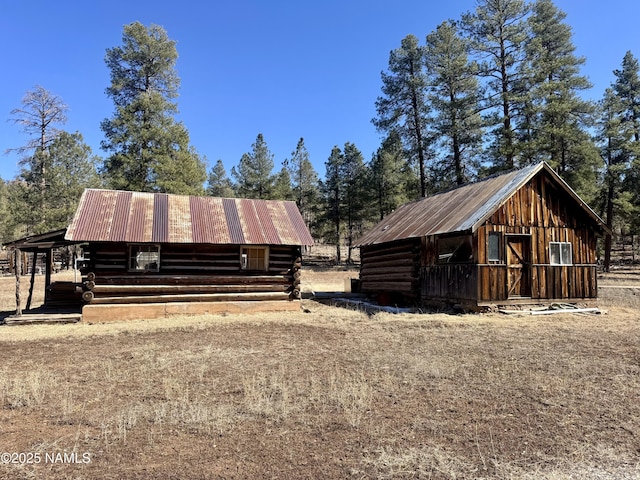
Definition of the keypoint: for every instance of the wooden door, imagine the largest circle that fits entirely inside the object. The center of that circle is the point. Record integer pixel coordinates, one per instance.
(518, 266)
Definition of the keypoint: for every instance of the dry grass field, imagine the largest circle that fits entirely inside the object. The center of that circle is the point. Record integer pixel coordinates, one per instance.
(326, 393)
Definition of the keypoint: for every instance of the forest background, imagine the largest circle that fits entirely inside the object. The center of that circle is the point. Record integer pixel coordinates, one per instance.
(499, 87)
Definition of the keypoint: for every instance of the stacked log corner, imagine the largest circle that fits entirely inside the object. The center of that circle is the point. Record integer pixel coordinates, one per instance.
(391, 271)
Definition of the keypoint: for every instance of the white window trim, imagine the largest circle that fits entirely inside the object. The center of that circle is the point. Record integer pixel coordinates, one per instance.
(563, 261)
(244, 259)
(134, 245)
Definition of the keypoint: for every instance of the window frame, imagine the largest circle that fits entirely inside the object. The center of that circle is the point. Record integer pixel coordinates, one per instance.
(500, 257)
(149, 246)
(561, 253)
(445, 255)
(245, 266)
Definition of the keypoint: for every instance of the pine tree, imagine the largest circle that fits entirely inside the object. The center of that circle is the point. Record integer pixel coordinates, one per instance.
(454, 97)
(356, 196)
(149, 150)
(253, 176)
(304, 180)
(403, 107)
(282, 186)
(39, 117)
(615, 137)
(498, 33)
(69, 168)
(333, 191)
(388, 180)
(562, 116)
(219, 185)
(627, 89)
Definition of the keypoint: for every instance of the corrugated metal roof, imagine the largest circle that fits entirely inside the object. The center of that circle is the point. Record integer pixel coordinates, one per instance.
(119, 216)
(459, 210)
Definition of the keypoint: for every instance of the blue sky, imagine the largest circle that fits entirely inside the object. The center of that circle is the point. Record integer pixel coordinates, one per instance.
(286, 69)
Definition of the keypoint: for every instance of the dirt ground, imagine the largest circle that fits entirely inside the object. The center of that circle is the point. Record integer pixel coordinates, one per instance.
(327, 393)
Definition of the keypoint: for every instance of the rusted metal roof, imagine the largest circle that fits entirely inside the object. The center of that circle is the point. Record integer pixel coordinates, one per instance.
(461, 210)
(119, 216)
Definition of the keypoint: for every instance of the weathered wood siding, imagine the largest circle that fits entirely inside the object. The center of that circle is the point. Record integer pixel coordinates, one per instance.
(449, 283)
(391, 268)
(189, 272)
(545, 214)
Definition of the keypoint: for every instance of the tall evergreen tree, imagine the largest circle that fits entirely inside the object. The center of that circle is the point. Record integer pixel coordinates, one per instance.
(388, 180)
(253, 176)
(627, 89)
(615, 138)
(498, 32)
(304, 180)
(454, 97)
(282, 189)
(333, 191)
(403, 106)
(69, 168)
(219, 184)
(150, 151)
(562, 116)
(356, 196)
(39, 117)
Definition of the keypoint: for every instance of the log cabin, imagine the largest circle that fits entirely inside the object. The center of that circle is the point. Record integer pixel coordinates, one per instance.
(150, 255)
(523, 237)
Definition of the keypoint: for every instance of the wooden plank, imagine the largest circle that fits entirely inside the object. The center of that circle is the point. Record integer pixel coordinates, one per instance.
(211, 297)
(190, 279)
(101, 290)
(122, 312)
(30, 319)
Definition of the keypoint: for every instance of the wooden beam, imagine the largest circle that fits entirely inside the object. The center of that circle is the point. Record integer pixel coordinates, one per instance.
(18, 270)
(159, 289)
(48, 258)
(212, 297)
(33, 279)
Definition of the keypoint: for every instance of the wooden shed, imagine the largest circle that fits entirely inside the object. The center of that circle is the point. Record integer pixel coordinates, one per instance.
(521, 237)
(152, 254)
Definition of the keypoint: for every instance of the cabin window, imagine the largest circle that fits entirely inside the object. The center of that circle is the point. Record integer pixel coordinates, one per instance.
(560, 253)
(494, 247)
(254, 258)
(455, 249)
(144, 258)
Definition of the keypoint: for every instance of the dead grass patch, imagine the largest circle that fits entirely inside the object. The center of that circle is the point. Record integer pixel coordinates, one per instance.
(329, 394)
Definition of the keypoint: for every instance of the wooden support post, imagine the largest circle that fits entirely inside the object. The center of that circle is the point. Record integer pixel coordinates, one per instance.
(18, 270)
(33, 279)
(48, 258)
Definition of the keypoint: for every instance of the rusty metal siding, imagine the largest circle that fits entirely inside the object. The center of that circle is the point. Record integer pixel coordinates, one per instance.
(120, 218)
(233, 221)
(297, 232)
(160, 225)
(110, 216)
(208, 222)
(135, 230)
(179, 220)
(268, 228)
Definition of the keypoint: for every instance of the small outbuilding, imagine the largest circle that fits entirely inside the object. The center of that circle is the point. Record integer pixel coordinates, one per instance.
(154, 254)
(520, 237)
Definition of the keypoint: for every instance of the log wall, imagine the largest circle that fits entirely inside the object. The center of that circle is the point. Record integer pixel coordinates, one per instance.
(189, 273)
(391, 268)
